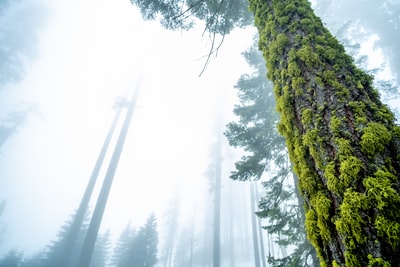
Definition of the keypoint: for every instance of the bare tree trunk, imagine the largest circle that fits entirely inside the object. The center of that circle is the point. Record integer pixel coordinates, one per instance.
(260, 230)
(80, 214)
(256, 249)
(88, 245)
(217, 206)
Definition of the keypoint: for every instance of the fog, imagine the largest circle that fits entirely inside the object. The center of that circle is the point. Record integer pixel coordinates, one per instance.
(89, 53)
(77, 61)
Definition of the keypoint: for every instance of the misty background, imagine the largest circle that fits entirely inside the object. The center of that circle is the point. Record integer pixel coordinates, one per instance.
(71, 61)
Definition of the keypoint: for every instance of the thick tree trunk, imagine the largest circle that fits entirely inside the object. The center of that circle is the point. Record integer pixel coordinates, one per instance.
(341, 139)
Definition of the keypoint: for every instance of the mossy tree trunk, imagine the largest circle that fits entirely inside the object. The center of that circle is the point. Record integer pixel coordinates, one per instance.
(342, 140)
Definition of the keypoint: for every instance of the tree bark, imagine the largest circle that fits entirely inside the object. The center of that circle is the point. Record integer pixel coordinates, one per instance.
(341, 139)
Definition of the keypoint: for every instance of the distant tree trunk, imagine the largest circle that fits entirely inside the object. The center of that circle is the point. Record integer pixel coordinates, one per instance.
(256, 248)
(70, 240)
(260, 230)
(173, 212)
(231, 226)
(88, 245)
(217, 206)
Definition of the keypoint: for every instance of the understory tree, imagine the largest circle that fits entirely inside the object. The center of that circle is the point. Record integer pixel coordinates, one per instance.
(255, 131)
(342, 140)
(138, 248)
(19, 25)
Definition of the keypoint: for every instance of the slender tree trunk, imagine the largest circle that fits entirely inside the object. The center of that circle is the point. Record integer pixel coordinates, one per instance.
(342, 140)
(256, 248)
(70, 240)
(260, 230)
(217, 206)
(231, 226)
(89, 242)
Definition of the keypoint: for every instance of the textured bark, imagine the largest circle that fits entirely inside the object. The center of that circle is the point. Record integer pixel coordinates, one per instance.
(342, 140)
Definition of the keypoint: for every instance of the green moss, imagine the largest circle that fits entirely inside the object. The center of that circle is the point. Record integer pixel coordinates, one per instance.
(311, 226)
(297, 83)
(349, 170)
(335, 264)
(306, 116)
(389, 230)
(335, 125)
(352, 260)
(374, 139)
(294, 69)
(344, 147)
(332, 182)
(377, 262)
(386, 200)
(305, 54)
(322, 206)
(350, 223)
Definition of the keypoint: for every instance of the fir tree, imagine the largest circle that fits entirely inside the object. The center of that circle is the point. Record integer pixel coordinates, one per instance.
(342, 140)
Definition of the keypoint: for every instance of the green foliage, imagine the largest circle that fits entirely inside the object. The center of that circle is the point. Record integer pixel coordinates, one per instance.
(256, 132)
(220, 17)
(338, 134)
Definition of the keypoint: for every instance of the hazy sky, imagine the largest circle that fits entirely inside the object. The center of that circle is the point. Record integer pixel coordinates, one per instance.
(89, 53)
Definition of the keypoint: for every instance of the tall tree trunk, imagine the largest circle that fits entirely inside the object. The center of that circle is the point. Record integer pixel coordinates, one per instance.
(256, 248)
(231, 226)
(260, 230)
(342, 140)
(71, 237)
(217, 205)
(89, 242)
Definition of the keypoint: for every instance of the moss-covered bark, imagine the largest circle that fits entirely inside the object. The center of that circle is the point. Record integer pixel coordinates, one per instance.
(342, 140)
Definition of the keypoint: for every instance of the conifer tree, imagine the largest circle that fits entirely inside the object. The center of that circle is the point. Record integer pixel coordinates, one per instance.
(342, 140)
(256, 132)
(141, 248)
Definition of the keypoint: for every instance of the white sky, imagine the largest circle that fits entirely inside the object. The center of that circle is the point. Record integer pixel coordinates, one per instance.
(91, 52)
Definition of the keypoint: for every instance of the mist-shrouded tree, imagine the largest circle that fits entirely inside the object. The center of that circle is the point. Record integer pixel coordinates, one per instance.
(12, 259)
(141, 248)
(342, 141)
(373, 17)
(101, 251)
(20, 22)
(255, 131)
(353, 23)
(14, 120)
(172, 227)
(55, 250)
(122, 244)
